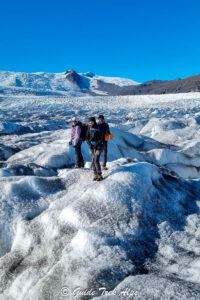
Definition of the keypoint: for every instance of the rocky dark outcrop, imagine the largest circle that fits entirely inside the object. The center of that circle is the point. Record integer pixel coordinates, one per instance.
(110, 88)
(81, 82)
(189, 84)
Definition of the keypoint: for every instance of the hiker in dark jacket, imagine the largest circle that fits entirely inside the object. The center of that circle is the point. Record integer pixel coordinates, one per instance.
(103, 126)
(76, 141)
(95, 138)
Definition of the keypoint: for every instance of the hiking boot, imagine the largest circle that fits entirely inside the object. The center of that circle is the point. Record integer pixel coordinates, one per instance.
(104, 168)
(76, 167)
(95, 177)
(99, 178)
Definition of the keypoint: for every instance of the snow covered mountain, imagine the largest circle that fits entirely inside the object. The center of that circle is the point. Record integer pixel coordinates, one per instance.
(69, 83)
(73, 84)
(134, 235)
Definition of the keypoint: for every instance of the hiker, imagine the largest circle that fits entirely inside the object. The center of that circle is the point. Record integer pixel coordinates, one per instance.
(103, 126)
(95, 138)
(76, 141)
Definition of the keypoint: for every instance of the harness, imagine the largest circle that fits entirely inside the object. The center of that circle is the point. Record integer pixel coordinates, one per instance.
(94, 130)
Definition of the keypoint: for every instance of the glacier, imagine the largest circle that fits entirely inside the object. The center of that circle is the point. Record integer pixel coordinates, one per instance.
(69, 83)
(136, 234)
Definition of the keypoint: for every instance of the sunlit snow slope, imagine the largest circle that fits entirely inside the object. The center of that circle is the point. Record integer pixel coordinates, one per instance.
(137, 230)
(68, 83)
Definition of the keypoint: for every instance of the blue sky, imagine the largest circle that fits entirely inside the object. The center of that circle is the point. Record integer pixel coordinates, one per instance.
(142, 40)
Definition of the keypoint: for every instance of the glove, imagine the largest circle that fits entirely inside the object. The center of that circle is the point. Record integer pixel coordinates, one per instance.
(70, 143)
(75, 146)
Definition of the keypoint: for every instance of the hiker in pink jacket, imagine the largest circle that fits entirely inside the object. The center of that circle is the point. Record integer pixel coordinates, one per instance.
(76, 141)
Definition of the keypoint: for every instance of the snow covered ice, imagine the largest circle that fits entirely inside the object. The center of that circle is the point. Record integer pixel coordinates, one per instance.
(138, 229)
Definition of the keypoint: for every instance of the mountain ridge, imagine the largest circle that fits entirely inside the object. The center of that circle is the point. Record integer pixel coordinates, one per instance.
(186, 85)
(68, 83)
(71, 83)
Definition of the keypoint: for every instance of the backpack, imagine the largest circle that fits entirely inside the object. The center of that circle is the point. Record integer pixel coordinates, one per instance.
(84, 129)
(109, 136)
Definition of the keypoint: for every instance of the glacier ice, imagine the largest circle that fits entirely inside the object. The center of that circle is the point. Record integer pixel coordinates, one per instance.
(137, 231)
